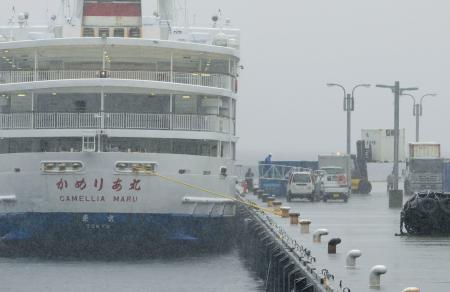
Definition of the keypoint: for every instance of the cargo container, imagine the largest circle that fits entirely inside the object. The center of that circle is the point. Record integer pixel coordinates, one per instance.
(424, 150)
(381, 142)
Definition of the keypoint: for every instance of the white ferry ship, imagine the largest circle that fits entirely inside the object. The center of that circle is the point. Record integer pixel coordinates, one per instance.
(96, 101)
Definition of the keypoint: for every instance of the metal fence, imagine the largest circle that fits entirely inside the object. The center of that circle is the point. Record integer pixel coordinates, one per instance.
(200, 79)
(147, 121)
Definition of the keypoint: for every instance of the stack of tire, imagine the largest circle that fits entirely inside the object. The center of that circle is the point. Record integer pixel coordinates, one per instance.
(427, 214)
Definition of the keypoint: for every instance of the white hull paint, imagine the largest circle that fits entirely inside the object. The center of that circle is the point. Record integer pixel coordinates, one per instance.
(35, 191)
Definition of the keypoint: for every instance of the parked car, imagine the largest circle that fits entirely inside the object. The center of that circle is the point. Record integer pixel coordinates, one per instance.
(301, 185)
(335, 184)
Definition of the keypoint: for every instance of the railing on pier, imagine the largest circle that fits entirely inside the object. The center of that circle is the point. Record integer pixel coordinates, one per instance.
(145, 121)
(199, 79)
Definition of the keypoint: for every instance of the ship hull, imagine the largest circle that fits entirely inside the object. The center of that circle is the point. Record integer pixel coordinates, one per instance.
(75, 210)
(70, 232)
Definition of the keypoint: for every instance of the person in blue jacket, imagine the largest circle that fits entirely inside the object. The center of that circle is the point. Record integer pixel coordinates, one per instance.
(267, 161)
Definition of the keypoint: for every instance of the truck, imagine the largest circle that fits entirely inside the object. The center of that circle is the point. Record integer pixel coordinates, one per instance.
(337, 176)
(424, 169)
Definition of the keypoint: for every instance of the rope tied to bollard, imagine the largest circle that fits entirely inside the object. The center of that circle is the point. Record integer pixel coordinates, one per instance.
(218, 194)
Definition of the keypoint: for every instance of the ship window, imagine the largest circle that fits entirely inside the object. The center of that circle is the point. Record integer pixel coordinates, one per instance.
(135, 167)
(103, 32)
(119, 32)
(61, 166)
(88, 32)
(134, 32)
(88, 143)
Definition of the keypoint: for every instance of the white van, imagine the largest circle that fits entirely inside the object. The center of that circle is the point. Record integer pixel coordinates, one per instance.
(301, 186)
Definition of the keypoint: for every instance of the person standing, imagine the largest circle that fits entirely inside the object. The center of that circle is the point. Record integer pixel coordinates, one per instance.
(268, 159)
(267, 163)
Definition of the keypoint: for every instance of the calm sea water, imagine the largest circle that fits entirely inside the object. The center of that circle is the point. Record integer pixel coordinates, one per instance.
(198, 272)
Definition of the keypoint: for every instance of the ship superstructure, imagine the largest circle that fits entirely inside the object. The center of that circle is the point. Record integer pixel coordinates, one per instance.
(95, 102)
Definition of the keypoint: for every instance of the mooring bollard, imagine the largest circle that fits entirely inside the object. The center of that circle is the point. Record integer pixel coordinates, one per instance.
(351, 258)
(264, 197)
(294, 218)
(285, 211)
(304, 225)
(276, 206)
(317, 236)
(375, 275)
(332, 245)
(412, 289)
(270, 201)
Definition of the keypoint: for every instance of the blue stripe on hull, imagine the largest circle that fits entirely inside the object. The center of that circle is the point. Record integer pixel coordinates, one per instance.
(66, 229)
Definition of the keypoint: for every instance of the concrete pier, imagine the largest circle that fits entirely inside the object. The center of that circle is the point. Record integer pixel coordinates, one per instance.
(367, 224)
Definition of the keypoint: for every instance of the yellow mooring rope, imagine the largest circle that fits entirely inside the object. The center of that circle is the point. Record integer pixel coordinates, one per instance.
(225, 196)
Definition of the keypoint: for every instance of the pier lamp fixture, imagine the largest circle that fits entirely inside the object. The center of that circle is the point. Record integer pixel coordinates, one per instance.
(418, 111)
(398, 91)
(349, 106)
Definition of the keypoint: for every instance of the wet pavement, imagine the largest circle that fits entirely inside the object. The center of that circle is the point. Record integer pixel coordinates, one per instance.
(366, 223)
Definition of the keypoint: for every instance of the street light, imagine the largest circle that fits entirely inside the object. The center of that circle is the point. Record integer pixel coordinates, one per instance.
(418, 111)
(349, 106)
(397, 92)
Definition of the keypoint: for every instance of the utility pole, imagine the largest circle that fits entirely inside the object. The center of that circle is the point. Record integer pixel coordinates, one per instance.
(397, 92)
(349, 106)
(418, 111)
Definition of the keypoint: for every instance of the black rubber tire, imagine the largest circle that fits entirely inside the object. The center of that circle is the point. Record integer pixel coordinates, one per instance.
(365, 187)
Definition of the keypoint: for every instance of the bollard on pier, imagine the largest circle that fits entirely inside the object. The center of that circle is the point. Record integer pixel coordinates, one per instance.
(304, 225)
(351, 258)
(294, 218)
(375, 275)
(317, 236)
(411, 289)
(332, 245)
(285, 211)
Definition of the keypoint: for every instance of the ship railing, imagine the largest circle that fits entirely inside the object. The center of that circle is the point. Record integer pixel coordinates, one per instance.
(199, 79)
(96, 120)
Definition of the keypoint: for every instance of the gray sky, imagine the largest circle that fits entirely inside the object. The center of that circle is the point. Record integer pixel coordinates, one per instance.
(292, 48)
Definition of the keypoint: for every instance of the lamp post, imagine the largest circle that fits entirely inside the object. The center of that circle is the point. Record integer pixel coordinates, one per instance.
(349, 106)
(397, 92)
(418, 111)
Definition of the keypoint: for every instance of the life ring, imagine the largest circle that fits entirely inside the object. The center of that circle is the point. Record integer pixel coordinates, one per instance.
(428, 205)
(445, 205)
